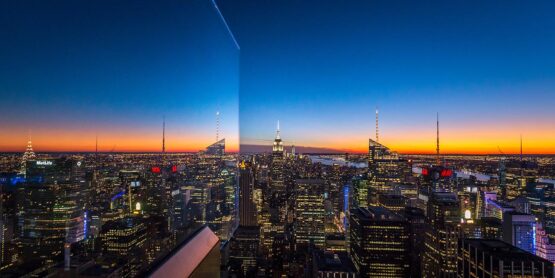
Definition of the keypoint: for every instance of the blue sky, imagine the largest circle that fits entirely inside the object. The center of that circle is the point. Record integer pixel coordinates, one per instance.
(321, 67)
(115, 68)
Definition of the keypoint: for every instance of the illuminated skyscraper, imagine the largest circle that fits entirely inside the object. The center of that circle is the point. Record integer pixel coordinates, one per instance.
(440, 253)
(276, 174)
(124, 238)
(246, 238)
(28, 155)
(217, 149)
(309, 213)
(519, 229)
(247, 208)
(50, 208)
(384, 167)
(379, 242)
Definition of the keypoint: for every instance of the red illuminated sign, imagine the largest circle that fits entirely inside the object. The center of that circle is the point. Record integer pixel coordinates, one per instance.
(174, 169)
(155, 170)
(424, 171)
(446, 173)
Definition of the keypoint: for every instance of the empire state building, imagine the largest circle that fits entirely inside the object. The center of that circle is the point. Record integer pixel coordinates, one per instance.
(277, 163)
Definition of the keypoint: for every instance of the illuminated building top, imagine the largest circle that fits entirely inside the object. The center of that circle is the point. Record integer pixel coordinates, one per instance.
(278, 145)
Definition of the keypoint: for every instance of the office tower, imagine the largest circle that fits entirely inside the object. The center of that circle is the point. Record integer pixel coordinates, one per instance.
(501, 260)
(393, 202)
(384, 168)
(440, 253)
(8, 248)
(417, 229)
(247, 208)
(309, 213)
(178, 209)
(243, 246)
(502, 173)
(330, 265)
(134, 189)
(50, 208)
(276, 172)
(244, 250)
(124, 239)
(360, 194)
(336, 242)
(519, 229)
(346, 206)
(484, 203)
(545, 247)
(216, 149)
(490, 228)
(433, 179)
(409, 191)
(379, 242)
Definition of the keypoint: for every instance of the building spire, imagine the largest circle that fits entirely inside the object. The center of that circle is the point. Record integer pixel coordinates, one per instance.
(520, 148)
(277, 132)
(377, 125)
(96, 151)
(438, 161)
(217, 126)
(278, 145)
(28, 155)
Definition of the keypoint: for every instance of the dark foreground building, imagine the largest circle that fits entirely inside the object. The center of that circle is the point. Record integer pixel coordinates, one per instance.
(379, 242)
(494, 258)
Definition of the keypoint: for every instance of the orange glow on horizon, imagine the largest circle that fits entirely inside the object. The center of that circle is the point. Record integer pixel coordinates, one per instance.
(537, 139)
(128, 142)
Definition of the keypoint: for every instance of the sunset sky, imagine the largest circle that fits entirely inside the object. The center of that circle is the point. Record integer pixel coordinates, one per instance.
(71, 70)
(321, 68)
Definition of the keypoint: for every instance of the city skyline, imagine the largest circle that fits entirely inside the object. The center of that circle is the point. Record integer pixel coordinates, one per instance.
(264, 138)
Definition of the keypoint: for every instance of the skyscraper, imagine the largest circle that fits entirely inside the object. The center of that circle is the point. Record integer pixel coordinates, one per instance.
(440, 253)
(247, 208)
(519, 229)
(124, 238)
(28, 155)
(217, 149)
(276, 174)
(50, 207)
(379, 242)
(495, 258)
(243, 246)
(385, 167)
(309, 213)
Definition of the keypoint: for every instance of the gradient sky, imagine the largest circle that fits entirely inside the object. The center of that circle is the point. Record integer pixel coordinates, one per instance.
(321, 68)
(72, 69)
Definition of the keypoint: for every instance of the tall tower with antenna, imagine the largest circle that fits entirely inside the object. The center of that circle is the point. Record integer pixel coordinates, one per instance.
(96, 152)
(163, 140)
(522, 179)
(521, 149)
(438, 160)
(377, 125)
(217, 126)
